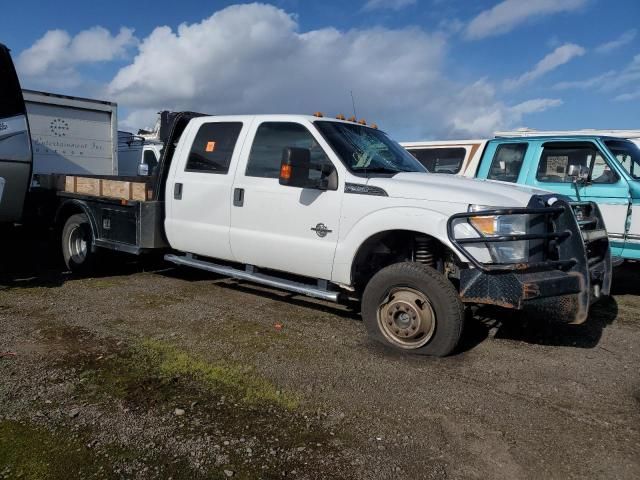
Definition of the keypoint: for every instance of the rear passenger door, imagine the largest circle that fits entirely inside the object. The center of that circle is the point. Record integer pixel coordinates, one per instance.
(198, 191)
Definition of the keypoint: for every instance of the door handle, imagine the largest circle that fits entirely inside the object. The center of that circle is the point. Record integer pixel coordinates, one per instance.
(177, 191)
(238, 197)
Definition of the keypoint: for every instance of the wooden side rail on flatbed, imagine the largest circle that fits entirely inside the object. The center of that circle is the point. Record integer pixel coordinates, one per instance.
(106, 187)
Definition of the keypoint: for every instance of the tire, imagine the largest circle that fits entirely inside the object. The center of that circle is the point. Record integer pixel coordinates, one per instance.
(413, 308)
(77, 243)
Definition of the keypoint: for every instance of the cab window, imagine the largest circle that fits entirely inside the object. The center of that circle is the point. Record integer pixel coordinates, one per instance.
(213, 146)
(270, 141)
(441, 160)
(507, 162)
(557, 158)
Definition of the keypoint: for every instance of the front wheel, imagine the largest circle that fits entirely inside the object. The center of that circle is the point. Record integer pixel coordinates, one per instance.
(413, 308)
(77, 242)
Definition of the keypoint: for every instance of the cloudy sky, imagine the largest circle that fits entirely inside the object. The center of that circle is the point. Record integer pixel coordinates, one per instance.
(422, 69)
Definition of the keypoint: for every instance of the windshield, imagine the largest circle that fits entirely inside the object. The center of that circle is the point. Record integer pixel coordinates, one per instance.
(367, 151)
(628, 154)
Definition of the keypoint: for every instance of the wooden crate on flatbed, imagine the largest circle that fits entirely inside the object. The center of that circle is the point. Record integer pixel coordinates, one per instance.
(123, 189)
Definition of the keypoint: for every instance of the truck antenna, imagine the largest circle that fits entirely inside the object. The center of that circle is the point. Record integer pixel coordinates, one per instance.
(353, 102)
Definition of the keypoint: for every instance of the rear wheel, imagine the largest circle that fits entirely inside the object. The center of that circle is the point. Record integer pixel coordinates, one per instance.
(77, 242)
(413, 308)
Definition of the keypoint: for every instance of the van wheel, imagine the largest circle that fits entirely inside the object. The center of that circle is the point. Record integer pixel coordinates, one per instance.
(77, 242)
(413, 308)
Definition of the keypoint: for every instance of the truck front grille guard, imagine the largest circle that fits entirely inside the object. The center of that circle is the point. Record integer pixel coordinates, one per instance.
(590, 226)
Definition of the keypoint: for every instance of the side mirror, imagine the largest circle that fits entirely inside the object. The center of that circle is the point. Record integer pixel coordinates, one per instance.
(579, 173)
(294, 168)
(143, 170)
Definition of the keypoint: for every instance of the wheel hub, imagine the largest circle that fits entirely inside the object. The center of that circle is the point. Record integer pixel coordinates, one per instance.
(407, 318)
(78, 244)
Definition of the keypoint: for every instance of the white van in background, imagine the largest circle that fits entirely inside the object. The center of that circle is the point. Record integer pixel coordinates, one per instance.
(460, 157)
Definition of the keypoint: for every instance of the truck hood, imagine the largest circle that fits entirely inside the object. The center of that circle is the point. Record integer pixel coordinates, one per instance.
(454, 188)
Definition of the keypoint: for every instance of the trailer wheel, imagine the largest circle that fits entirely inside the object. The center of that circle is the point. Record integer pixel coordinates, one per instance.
(77, 241)
(413, 308)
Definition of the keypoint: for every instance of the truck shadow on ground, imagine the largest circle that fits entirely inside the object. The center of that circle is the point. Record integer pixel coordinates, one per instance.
(518, 326)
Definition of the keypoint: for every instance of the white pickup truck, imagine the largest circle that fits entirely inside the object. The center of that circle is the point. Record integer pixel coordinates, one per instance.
(335, 209)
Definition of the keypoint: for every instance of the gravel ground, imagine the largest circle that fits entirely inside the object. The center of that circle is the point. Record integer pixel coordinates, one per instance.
(156, 372)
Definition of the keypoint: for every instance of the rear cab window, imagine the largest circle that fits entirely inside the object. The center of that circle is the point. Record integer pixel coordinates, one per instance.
(556, 159)
(507, 162)
(213, 146)
(440, 160)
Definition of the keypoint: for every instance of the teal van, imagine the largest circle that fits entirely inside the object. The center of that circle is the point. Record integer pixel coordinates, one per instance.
(605, 170)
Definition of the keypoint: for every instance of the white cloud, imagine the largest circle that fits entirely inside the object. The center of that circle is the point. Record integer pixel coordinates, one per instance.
(608, 81)
(621, 41)
(253, 58)
(508, 14)
(555, 59)
(53, 58)
(388, 4)
(587, 83)
(626, 97)
(480, 114)
(536, 105)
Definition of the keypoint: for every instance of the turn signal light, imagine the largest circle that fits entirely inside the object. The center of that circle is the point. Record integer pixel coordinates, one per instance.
(485, 225)
(285, 171)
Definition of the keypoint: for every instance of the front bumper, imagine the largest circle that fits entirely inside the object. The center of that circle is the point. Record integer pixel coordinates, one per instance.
(575, 272)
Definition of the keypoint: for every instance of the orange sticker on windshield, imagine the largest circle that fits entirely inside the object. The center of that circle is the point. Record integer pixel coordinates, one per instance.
(211, 146)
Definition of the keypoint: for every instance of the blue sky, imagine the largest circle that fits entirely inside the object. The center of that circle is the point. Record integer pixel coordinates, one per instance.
(420, 68)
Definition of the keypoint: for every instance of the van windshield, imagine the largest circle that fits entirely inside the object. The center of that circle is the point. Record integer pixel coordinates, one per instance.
(628, 154)
(367, 151)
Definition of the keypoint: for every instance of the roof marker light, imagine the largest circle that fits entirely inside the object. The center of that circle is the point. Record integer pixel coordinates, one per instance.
(352, 118)
(318, 114)
(362, 121)
(340, 117)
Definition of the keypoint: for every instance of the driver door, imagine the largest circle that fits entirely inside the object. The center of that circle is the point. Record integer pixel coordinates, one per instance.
(604, 186)
(15, 144)
(282, 227)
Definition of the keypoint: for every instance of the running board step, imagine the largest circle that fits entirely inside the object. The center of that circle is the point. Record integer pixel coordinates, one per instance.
(252, 276)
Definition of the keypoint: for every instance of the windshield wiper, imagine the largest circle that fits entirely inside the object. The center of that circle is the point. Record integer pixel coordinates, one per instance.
(378, 170)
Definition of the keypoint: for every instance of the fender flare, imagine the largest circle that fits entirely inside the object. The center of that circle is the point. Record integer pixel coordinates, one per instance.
(416, 219)
(76, 204)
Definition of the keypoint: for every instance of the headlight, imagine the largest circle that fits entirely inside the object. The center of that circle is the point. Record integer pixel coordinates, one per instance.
(499, 225)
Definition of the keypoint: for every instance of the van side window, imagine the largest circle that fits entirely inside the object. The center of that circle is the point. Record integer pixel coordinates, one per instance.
(213, 146)
(441, 160)
(507, 162)
(271, 139)
(557, 158)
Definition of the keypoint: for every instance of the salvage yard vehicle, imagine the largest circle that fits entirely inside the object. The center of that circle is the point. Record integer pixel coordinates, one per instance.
(597, 168)
(337, 210)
